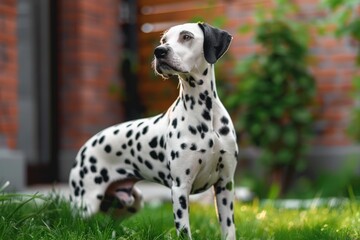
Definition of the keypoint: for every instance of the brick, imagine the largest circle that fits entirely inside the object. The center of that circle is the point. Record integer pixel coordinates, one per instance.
(87, 64)
(8, 73)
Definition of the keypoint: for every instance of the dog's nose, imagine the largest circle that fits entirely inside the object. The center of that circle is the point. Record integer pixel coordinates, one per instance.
(160, 52)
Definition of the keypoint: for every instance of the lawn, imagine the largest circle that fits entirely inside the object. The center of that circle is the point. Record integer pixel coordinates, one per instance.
(38, 217)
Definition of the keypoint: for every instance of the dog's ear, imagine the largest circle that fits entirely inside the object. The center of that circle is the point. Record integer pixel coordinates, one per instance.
(216, 42)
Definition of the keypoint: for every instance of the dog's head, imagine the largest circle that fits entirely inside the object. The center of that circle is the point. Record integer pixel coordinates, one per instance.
(189, 46)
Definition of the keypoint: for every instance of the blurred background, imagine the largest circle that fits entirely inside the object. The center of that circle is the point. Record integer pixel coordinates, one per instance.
(69, 68)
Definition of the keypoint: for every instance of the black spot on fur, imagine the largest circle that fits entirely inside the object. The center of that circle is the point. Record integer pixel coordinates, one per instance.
(179, 213)
(205, 72)
(98, 180)
(211, 143)
(116, 131)
(228, 222)
(81, 173)
(93, 168)
(157, 119)
(177, 182)
(148, 165)
(192, 130)
(206, 115)
(187, 171)
(224, 120)
(174, 155)
(208, 103)
(162, 142)
(135, 166)
(161, 175)
(92, 159)
(182, 201)
(177, 225)
(192, 82)
(94, 143)
(145, 130)
(138, 146)
(183, 146)
(129, 133)
(107, 148)
(137, 136)
(101, 140)
(118, 153)
(104, 174)
(193, 147)
(224, 130)
(121, 171)
(154, 155)
(76, 192)
(174, 123)
(161, 156)
(153, 143)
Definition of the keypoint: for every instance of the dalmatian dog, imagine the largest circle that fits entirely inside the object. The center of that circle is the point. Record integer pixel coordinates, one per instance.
(189, 148)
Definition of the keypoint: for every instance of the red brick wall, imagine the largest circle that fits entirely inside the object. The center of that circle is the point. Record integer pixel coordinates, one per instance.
(8, 74)
(333, 66)
(88, 66)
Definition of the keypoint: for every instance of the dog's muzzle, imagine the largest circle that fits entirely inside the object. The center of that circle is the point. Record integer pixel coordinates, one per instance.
(162, 64)
(165, 62)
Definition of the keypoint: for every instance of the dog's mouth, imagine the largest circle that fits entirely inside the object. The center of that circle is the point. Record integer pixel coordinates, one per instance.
(165, 68)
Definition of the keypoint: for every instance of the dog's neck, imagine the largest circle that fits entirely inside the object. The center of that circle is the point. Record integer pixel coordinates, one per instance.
(198, 81)
(198, 87)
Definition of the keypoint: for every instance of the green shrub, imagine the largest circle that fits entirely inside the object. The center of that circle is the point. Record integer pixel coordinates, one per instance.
(275, 92)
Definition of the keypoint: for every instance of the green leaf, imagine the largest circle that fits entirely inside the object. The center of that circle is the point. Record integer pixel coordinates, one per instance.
(272, 132)
(290, 137)
(302, 116)
(285, 156)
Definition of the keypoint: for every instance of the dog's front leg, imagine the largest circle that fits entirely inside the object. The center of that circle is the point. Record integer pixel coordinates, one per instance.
(180, 199)
(224, 192)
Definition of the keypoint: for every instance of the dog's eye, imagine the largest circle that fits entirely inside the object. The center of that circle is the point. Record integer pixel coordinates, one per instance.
(187, 37)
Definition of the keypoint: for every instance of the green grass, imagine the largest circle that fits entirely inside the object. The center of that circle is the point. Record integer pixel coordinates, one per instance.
(27, 218)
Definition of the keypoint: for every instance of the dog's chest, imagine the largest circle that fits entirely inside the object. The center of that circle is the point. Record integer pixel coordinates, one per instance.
(200, 134)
